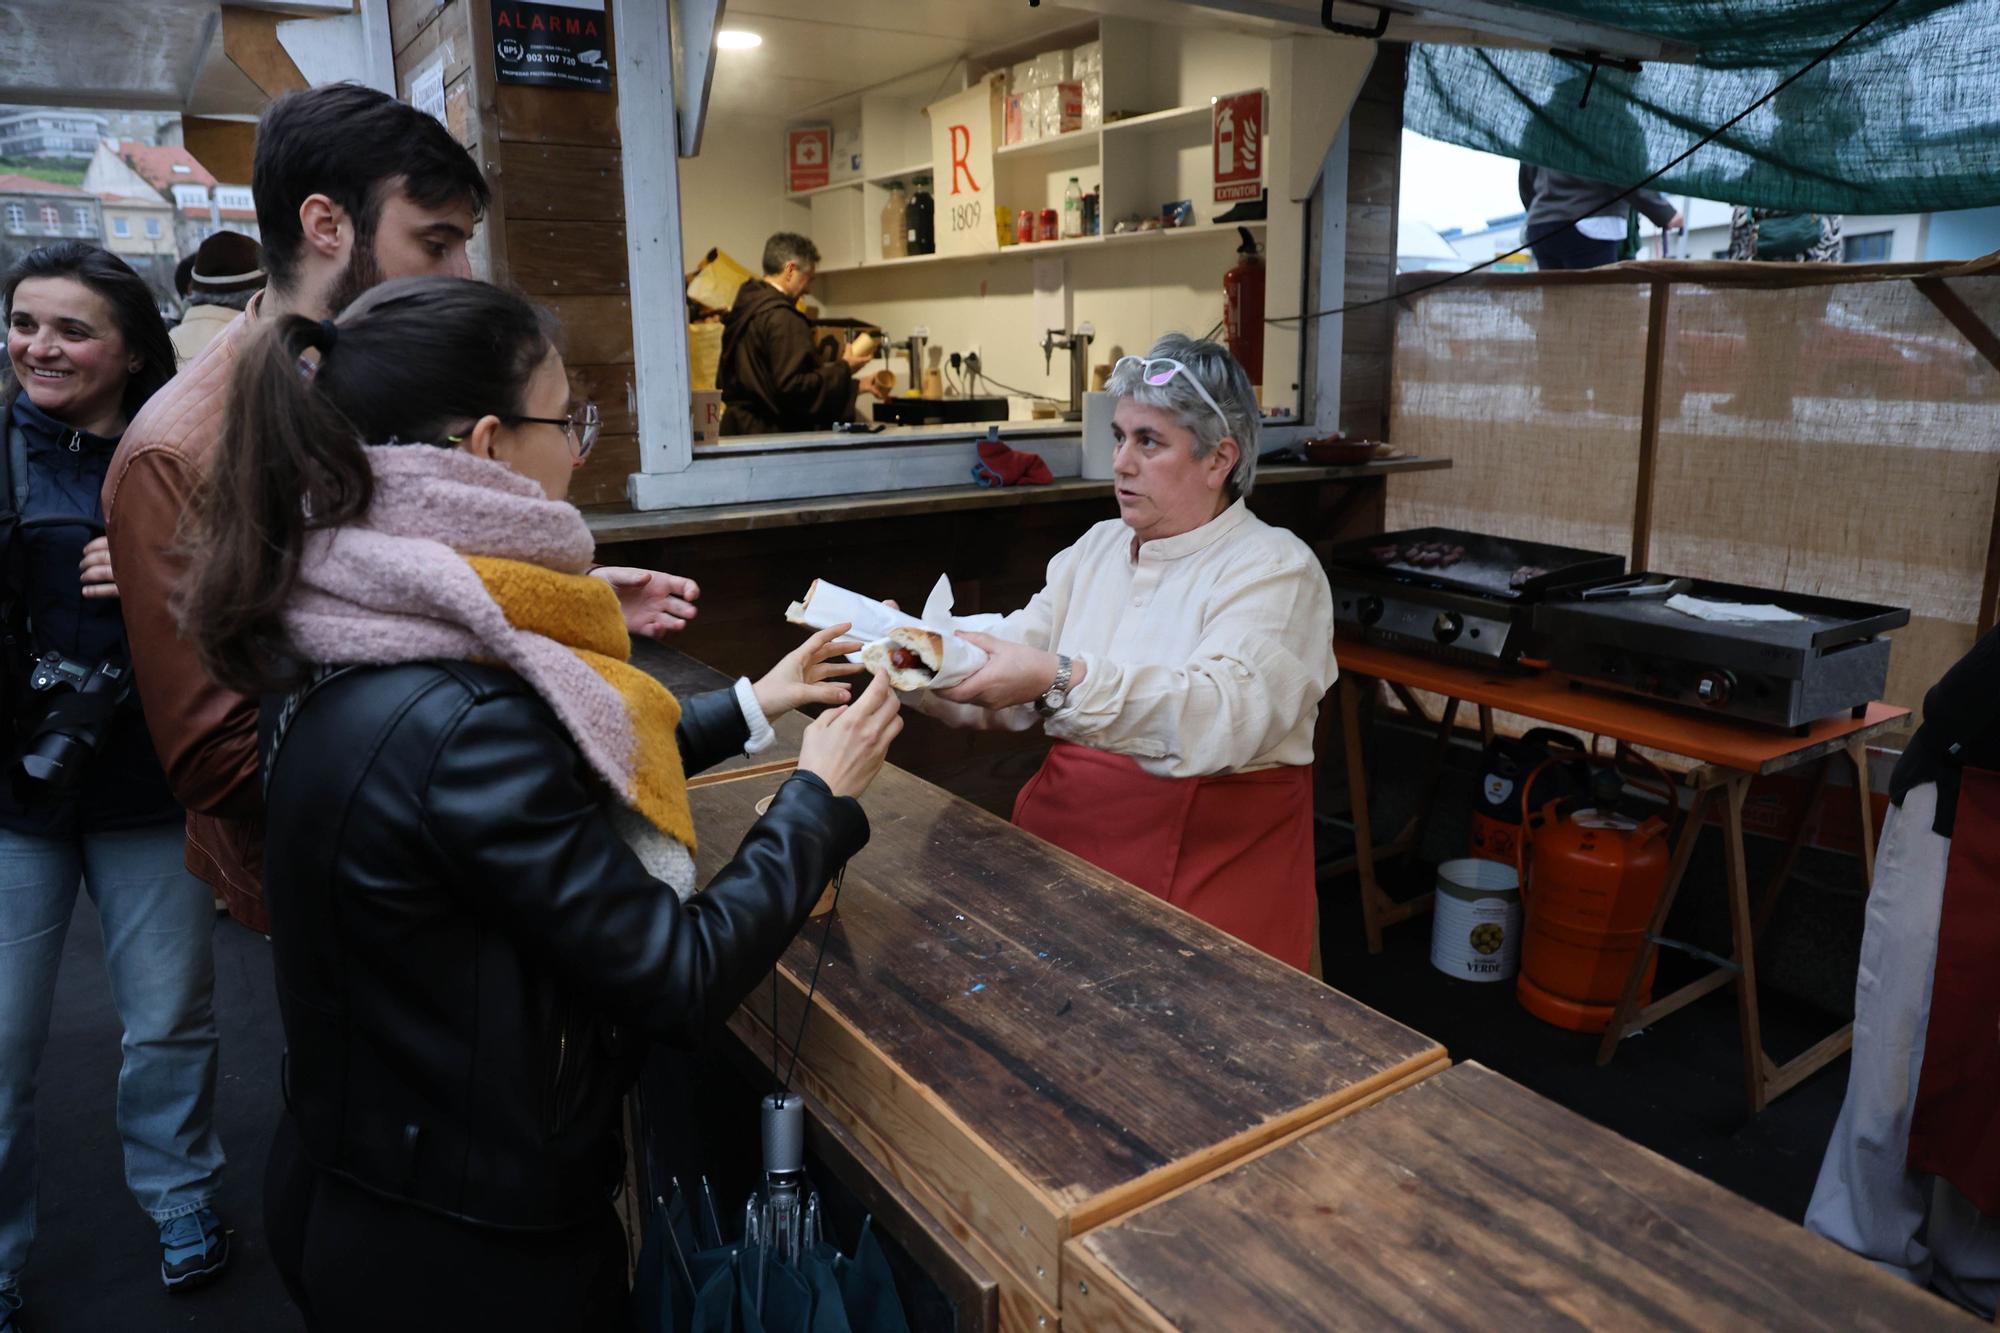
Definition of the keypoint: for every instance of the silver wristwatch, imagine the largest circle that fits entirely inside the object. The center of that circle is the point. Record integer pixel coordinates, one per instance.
(1058, 693)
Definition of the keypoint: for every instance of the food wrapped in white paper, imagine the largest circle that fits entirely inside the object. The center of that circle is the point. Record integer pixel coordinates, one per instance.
(919, 652)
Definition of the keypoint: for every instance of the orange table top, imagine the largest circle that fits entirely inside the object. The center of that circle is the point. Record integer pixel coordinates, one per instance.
(1550, 697)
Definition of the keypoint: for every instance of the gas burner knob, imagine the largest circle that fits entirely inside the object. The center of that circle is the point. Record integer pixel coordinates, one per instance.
(1369, 611)
(1448, 626)
(1714, 688)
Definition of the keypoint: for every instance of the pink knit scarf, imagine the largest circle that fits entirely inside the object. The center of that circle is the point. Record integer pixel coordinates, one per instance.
(393, 586)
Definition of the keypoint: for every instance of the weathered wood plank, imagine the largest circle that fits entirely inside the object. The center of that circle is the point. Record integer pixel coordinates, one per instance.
(1470, 1202)
(566, 258)
(596, 329)
(563, 182)
(408, 19)
(557, 115)
(1046, 1045)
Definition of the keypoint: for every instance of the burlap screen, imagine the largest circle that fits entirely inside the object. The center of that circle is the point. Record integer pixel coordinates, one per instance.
(1831, 432)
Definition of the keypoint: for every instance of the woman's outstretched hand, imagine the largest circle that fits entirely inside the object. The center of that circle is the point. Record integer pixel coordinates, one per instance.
(845, 747)
(806, 674)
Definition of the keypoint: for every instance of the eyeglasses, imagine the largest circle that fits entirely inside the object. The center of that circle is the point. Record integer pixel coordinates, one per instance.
(581, 427)
(1150, 372)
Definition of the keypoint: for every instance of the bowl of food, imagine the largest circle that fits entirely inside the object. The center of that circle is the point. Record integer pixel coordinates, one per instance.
(825, 903)
(1333, 451)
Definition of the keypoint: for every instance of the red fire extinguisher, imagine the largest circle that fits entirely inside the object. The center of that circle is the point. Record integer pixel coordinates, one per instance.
(1243, 307)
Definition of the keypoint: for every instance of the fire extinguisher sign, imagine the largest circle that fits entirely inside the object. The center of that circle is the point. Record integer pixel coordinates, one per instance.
(1239, 146)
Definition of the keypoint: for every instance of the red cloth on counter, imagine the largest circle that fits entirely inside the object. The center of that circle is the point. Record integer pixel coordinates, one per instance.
(1235, 850)
(1011, 466)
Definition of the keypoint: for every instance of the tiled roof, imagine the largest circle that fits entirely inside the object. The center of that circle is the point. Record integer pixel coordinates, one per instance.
(156, 164)
(133, 201)
(12, 184)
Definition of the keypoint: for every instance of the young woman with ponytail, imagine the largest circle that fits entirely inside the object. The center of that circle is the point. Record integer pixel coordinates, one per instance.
(479, 849)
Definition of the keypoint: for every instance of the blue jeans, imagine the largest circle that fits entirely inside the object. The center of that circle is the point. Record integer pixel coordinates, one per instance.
(159, 923)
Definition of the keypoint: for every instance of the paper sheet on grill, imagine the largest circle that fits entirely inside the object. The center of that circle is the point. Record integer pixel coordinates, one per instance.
(828, 604)
(1740, 612)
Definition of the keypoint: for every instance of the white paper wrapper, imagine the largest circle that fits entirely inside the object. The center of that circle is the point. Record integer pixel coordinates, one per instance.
(827, 604)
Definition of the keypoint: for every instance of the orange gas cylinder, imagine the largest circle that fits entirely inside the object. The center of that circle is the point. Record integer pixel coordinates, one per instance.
(1594, 877)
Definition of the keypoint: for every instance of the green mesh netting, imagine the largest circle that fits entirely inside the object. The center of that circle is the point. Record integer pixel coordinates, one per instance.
(1904, 118)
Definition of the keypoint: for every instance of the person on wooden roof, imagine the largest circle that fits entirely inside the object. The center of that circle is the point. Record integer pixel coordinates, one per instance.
(771, 379)
(1177, 657)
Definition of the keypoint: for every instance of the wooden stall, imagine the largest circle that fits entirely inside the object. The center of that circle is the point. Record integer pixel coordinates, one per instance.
(1030, 1047)
(1469, 1202)
(556, 229)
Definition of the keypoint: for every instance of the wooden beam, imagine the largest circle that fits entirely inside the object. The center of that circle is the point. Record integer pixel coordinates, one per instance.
(1967, 321)
(1649, 427)
(250, 42)
(485, 145)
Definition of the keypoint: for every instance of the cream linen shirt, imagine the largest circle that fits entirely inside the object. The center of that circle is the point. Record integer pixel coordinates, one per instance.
(1208, 652)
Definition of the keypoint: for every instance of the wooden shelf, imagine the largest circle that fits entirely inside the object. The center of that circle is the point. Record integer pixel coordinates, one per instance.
(1040, 248)
(1155, 121)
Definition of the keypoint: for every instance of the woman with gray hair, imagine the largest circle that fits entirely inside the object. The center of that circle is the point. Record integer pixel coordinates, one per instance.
(1177, 657)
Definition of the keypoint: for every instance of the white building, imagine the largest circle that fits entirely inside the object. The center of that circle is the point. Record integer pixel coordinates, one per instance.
(202, 205)
(49, 132)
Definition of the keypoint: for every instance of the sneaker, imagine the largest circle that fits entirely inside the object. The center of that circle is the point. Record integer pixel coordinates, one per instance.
(10, 1306)
(193, 1249)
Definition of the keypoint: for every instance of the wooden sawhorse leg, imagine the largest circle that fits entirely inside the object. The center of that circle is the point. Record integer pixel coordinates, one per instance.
(1763, 1079)
(1378, 909)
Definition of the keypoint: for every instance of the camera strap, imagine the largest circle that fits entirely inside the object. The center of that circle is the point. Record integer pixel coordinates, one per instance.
(17, 466)
(276, 716)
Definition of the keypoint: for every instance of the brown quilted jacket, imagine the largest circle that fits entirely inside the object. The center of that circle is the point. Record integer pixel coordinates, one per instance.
(206, 735)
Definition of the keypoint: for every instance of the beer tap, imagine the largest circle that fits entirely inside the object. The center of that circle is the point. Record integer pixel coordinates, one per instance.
(1077, 344)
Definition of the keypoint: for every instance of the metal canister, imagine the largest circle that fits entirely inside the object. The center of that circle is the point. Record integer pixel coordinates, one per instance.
(1025, 228)
(1051, 225)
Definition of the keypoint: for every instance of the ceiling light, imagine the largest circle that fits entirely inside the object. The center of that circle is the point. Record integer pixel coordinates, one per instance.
(737, 39)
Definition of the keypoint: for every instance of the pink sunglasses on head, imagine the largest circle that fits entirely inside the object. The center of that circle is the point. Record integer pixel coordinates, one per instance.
(1157, 378)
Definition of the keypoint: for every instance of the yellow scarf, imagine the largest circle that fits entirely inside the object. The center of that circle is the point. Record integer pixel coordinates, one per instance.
(582, 614)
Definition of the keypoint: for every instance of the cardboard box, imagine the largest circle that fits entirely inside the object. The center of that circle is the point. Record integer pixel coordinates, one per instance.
(706, 416)
(1062, 109)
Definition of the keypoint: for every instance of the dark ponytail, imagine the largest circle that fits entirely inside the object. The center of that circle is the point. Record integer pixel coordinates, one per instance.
(411, 361)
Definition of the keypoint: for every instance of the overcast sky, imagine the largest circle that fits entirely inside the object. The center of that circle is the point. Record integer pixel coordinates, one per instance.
(1448, 186)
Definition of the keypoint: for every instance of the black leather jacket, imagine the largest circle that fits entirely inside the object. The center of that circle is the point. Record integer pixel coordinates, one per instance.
(470, 961)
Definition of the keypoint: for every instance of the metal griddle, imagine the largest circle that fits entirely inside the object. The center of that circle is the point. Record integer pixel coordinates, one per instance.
(1470, 611)
(1778, 673)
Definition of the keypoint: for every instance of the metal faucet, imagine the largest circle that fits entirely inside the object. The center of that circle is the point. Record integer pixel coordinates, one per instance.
(915, 345)
(1077, 344)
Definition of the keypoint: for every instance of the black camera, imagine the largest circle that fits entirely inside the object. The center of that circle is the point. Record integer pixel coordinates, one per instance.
(61, 746)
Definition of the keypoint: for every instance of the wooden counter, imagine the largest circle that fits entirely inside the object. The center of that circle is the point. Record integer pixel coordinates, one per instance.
(1033, 1047)
(614, 526)
(1470, 1202)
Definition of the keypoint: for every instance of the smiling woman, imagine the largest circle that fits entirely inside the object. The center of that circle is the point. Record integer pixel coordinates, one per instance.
(88, 800)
